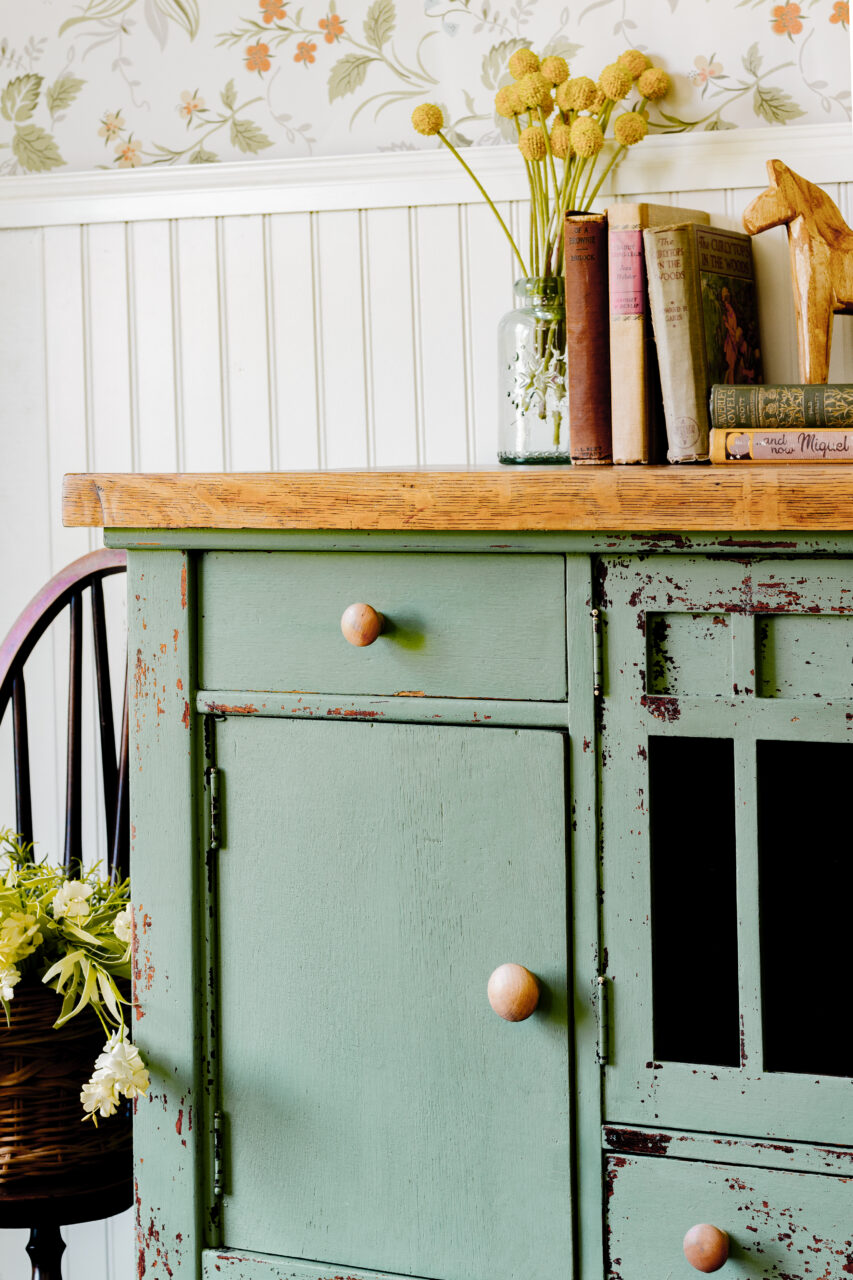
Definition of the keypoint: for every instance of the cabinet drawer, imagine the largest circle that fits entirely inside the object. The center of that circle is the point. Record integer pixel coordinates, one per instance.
(780, 1224)
(468, 626)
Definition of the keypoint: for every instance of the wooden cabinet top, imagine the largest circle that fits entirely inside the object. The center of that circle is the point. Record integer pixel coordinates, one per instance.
(668, 498)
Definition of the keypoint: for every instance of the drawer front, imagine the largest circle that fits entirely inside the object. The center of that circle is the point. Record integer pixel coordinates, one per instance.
(465, 626)
(796, 1226)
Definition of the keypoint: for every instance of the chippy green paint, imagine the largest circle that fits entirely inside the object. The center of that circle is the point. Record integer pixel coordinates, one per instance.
(164, 781)
(314, 988)
(779, 1224)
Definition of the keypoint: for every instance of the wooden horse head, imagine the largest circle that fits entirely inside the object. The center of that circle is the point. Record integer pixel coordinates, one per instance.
(821, 247)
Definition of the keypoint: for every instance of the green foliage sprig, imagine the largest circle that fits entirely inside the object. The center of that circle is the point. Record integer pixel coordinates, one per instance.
(75, 935)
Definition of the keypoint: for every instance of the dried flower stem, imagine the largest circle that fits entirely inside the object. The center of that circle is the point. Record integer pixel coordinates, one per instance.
(486, 197)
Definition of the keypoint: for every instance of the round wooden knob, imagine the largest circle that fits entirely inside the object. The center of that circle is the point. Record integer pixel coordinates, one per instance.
(705, 1247)
(513, 992)
(361, 624)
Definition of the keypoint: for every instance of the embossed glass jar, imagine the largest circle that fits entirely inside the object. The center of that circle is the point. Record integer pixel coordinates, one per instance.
(533, 419)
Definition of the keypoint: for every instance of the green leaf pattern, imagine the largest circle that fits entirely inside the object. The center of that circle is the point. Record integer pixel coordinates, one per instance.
(348, 74)
(130, 83)
(247, 137)
(379, 23)
(19, 99)
(62, 93)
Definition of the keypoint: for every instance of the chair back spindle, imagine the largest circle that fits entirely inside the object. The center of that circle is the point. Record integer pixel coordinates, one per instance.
(66, 590)
(21, 737)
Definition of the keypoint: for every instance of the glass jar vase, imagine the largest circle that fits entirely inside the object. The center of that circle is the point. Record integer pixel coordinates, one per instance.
(533, 413)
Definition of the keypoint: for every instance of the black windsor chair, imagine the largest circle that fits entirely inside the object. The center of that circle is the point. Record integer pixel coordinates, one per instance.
(46, 1202)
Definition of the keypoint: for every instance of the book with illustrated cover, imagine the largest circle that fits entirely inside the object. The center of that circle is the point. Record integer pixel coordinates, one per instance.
(787, 405)
(784, 444)
(637, 408)
(705, 317)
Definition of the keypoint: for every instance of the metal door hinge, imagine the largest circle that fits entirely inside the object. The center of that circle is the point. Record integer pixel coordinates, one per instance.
(603, 1020)
(218, 1157)
(596, 653)
(213, 780)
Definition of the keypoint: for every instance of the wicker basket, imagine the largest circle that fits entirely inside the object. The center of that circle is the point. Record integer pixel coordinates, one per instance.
(42, 1070)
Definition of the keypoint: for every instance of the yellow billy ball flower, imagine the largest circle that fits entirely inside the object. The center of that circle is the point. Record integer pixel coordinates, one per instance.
(561, 143)
(522, 62)
(531, 143)
(630, 128)
(507, 101)
(555, 69)
(598, 101)
(615, 81)
(634, 61)
(654, 83)
(586, 137)
(534, 90)
(427, 119)
(576, 94)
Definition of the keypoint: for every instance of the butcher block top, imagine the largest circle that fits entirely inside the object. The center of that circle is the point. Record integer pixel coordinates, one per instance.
(547, 498)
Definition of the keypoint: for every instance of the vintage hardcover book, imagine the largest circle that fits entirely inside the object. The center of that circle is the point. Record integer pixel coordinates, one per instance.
(784, 444)
(705, 320)
(637, 408)
(587, 338)
(787, 405)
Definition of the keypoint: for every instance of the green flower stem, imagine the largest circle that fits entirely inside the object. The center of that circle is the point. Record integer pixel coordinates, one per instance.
(552, 214)
(545, 189)
(617, 154)
(531, 220)
(580, 164)
(550, 152)
(487, 199)
(560, 206)
(542, 208)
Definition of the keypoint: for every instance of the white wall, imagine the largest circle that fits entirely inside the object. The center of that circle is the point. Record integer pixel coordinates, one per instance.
(281, 315)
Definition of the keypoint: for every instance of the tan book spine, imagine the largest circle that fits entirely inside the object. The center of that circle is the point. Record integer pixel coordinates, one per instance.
(587, 338)
(676, 308)
(636, 408)
(782, 445)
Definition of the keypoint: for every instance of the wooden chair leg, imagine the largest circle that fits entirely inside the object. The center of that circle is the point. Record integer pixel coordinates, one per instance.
(46, 1248)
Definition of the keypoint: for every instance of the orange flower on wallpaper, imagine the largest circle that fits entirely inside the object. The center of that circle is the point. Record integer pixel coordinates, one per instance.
(333, 28)
(705, 70)
(305, 51)
(786, 20)
(273, 10)
(258, 57)
(840, 12)
(128, 154)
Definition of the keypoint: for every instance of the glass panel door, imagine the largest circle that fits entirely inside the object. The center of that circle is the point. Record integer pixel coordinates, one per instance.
(726, 748)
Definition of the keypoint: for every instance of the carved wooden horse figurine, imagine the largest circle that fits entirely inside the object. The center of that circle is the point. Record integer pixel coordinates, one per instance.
(821, 245)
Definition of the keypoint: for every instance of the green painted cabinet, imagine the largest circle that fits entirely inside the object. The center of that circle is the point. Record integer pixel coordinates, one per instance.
(622, 766)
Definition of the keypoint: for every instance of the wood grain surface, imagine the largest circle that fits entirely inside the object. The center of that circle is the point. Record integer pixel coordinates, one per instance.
(668, 498)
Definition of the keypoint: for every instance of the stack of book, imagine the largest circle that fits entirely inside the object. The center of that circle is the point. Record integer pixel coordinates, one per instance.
(790, 423)
(686, 381)
(683, 316)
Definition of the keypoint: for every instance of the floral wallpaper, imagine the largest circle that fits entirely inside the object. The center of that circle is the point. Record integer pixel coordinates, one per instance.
(127, 83)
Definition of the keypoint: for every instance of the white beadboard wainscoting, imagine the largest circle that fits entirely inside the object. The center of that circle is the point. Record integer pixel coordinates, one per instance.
(324, 313)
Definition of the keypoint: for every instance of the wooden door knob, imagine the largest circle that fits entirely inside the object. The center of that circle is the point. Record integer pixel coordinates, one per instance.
(513, 992)
(361, 624)
(705, 1247)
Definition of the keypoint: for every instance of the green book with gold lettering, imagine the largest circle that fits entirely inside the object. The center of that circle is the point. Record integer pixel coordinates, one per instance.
(788, 405)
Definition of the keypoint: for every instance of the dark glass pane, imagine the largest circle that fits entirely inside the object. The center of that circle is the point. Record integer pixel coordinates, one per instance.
(806, 894)
(694, 900)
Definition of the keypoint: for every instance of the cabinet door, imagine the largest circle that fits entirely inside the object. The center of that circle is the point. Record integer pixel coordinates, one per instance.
(378, 1113)
(726, 758)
